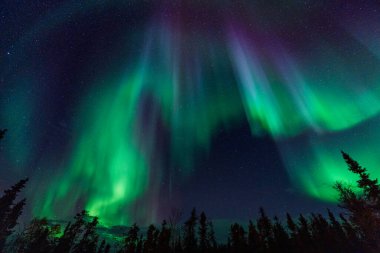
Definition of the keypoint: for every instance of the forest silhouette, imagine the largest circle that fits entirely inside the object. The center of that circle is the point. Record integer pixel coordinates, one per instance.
(356, 229)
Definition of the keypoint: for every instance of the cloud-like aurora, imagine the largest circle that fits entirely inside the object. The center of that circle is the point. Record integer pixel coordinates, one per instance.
(308, 92)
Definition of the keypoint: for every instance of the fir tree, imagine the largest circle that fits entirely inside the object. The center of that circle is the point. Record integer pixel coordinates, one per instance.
(190, 241)
(131, 240)
(211, 237)
(71, 233)
(304, 234)
(10, 211)
(254, 241)
(150, 243)
(38, 237)
(280, 238)
(203, 228)
(163, 244)
(88, 242)
(265, 229)
(363, 208)
(237, 238)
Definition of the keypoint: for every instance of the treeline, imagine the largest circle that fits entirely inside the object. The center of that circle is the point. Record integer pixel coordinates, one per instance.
(356, 230)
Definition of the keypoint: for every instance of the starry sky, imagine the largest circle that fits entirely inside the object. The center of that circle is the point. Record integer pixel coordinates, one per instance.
(131, 109)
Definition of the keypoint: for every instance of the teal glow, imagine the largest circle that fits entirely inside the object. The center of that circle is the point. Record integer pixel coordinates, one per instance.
(177, 77)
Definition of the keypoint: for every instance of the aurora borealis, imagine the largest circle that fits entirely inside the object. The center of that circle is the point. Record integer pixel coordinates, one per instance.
(111, 106)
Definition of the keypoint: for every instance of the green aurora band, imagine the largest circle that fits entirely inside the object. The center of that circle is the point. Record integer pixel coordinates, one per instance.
(117, 147)
(185, 85)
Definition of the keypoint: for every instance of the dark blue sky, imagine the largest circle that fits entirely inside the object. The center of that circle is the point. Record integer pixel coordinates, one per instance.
(53, 53)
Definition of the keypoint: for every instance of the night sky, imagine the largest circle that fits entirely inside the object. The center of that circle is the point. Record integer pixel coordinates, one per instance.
(130, 109)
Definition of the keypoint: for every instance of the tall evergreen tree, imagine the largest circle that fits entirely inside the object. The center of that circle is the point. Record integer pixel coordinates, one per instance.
(292, 226)
(320, 231)
(237, 238)
(254, 241)
(265, 229)
(203, 229)
(280, 238)
(304, 235)
(150, 243)
(10, 211)
(370, 187)
(175, 229)
(132, 239)
(363, 208)
(38, 237)
(88, 242)
(337, 236)
(190, 240)
(163, 244)
(71, 233)
(211, 237)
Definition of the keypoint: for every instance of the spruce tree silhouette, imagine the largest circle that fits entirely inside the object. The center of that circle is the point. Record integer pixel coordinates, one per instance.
(38, 237)
(320, 231)
(204, 244)
(190, 240)
(175, 229)
(353, 241)
(304, 234)
(71, 233)
(150, 243)
(280, 238)
(254, 241)
(88, 242)
(370, 187)
(163, 244)
(336, 233)
(10, 211)
(364, 207)
(237, 238)
(131, 240)
(211, 237)
(265, 229)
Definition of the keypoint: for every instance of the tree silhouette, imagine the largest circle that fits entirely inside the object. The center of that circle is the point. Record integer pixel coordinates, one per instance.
(204, 244)
(254, 241)
(280, 237)
(163, 244)
(211, 237)
(38, 237)
(237, 238)
(175, 230)
(363, 208)
(88, 242)
(71, 233)
(150, 243)
(190, 240)
(265, 229)
(131, 240)
(10, 210)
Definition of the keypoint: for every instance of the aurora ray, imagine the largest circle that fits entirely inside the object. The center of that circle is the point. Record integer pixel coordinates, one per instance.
(169, 82)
